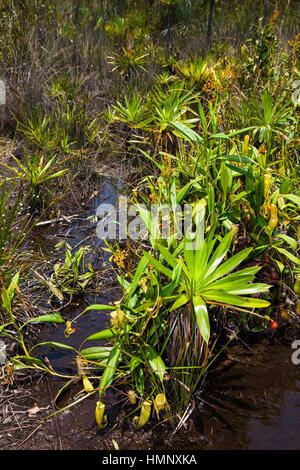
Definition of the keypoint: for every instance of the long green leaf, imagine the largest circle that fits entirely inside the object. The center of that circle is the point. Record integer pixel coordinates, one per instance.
(169, 288)
(182, 300)
(110, 370)
(291, 241)
(202, 317)
(101, 335)
(96, 353)
(228, 265)
(99, 307)
(288, 255)
(186, 132)
(232, 299)
(51, 318)
(171, 260)
(54, 344)
(159, 266)
(219, 255)
(155, 361)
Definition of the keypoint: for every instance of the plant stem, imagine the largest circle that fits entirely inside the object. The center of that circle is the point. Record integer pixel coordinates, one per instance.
(253, 14)
(265, 11)
(209, 25)
(169, 31)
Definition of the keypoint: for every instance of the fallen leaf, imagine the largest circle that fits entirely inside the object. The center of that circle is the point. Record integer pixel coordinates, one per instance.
(34, 410)
(116, 446)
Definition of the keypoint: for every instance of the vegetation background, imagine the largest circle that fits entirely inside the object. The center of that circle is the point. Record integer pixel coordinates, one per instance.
(199, 101)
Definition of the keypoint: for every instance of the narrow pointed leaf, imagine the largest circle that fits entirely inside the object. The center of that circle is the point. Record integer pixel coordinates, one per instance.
(110, 370)
(99, 307)
(51, 318)
(202, 317)
(219, 255)
(159, 266)
(104, 334)
(228, 265)
(232, 299)
(155, 361)
(182, 300)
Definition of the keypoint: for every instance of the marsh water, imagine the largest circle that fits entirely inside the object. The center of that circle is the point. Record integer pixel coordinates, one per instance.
(251, 397)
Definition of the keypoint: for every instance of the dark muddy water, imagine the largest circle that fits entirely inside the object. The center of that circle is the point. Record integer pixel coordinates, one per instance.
(81, 232)
(251, 399)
